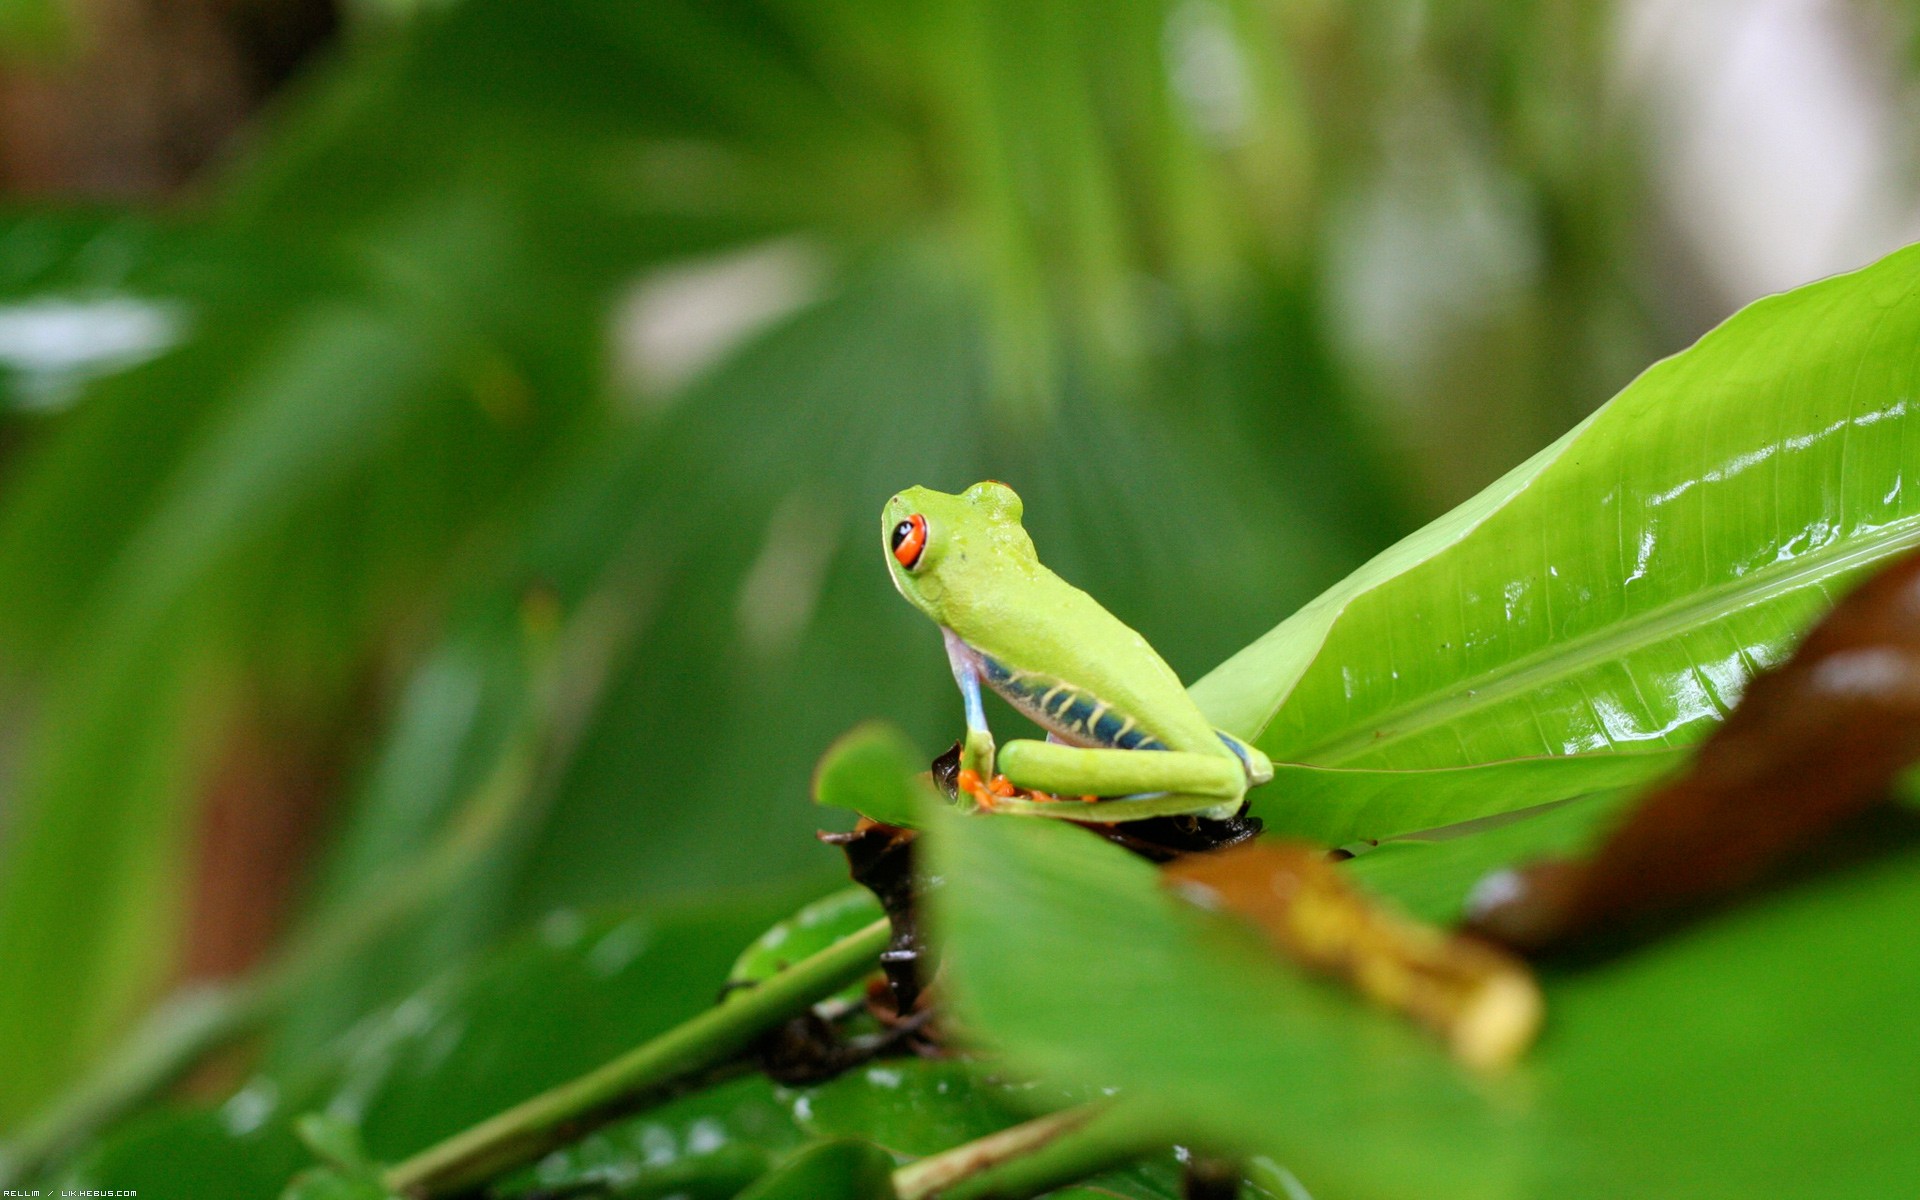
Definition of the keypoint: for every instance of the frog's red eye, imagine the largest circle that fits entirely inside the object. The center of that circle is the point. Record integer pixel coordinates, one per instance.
(909, 539)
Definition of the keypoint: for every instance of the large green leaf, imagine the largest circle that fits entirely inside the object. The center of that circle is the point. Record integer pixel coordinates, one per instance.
(1339, 805)
(1758, 1052)
(1615, 591)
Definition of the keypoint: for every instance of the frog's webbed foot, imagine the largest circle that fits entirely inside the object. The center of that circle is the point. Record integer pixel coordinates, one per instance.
(988, 794)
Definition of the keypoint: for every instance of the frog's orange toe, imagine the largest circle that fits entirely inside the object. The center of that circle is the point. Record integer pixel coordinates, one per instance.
(969, 784)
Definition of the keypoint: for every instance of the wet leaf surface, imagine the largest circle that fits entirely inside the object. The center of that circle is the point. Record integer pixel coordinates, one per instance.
(1336, 806)
(1812, 743)
(843, 1170)
(814, 927)
(917, 1107)
(544, 1008)
(327, 1183)
(711, 1144)
(1615, 591)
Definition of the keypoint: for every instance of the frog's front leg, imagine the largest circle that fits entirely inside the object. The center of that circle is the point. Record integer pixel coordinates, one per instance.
(977, 752)
(1145, 783)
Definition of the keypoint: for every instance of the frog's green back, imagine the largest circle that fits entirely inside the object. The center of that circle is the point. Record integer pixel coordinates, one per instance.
(980, 578)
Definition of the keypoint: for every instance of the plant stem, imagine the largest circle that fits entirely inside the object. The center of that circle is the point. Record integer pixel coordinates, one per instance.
(530, 1129)
(1034, 1157)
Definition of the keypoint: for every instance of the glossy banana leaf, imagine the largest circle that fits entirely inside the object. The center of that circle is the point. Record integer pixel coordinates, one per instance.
(1613, 593)
(1762, 1051)
(1340, 805)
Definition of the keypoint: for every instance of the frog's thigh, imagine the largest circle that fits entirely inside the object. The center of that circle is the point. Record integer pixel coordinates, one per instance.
(1137, 808)
(1073, 771)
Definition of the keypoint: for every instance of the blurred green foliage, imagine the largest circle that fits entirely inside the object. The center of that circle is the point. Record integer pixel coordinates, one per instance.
(1233, 292)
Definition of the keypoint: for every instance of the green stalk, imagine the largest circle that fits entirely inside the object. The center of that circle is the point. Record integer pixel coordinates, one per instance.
(642, 1076)
(1035, 1157)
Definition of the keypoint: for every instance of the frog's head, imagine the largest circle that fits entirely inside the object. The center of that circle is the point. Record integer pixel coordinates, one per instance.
(941, 549)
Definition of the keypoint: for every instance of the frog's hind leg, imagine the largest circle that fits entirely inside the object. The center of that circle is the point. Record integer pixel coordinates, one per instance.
(1121, 808)
(1074, 770)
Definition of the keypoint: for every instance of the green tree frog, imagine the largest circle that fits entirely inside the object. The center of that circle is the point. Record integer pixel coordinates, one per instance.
(1123, 735)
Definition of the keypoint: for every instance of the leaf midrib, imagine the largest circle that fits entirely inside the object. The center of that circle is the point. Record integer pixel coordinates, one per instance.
(1562, 659)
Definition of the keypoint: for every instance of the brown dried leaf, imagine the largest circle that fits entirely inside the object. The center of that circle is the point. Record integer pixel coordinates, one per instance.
(1483, 1002)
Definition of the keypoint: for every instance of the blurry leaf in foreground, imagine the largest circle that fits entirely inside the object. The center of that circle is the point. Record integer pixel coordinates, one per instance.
(349, 1173)
(872, 770)
(1763, 1051)
(1065, 952)
(333, 1141)
(1812, 742)
(1481, 1001)
(844, 1170)
(334, 1183)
